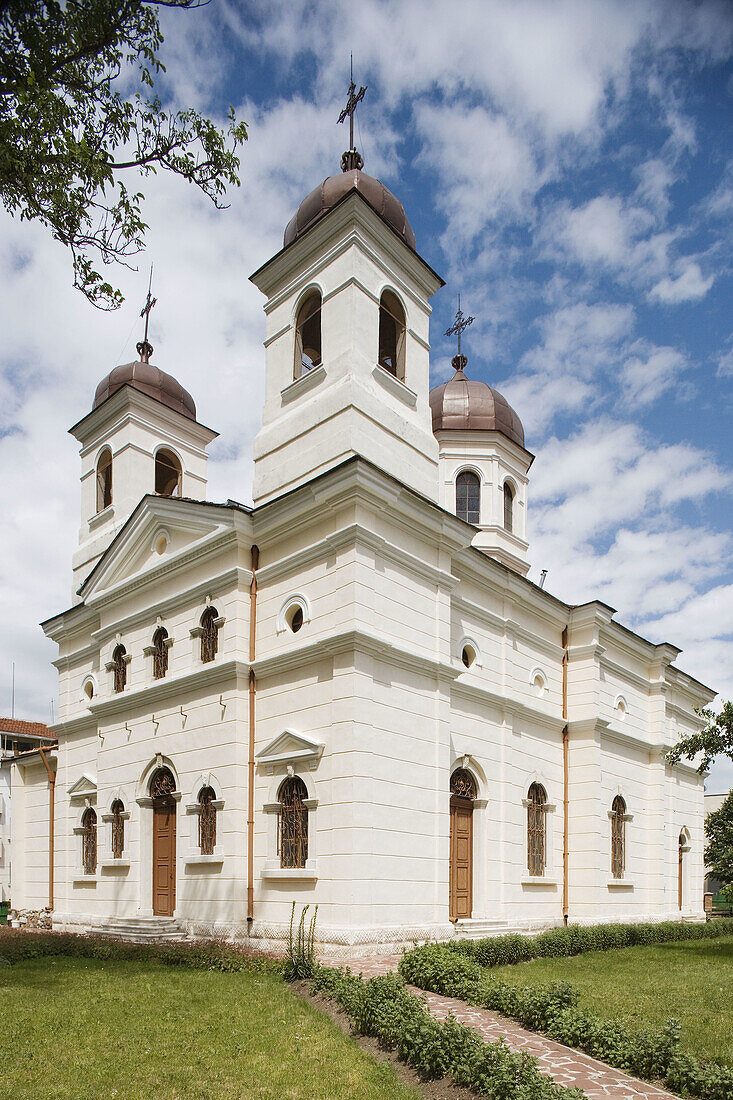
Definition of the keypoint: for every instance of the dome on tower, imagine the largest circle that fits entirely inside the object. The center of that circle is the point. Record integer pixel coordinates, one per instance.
(466, 404)
(150, 380)
(324, 197)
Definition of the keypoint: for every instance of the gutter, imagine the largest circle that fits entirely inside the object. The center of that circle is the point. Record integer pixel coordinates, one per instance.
(565, 782)
(255, 558)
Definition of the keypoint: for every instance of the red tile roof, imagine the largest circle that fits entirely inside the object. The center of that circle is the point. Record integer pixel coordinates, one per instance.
(34, 729)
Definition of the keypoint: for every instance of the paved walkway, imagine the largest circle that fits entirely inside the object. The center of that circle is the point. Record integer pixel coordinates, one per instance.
(568, 1067)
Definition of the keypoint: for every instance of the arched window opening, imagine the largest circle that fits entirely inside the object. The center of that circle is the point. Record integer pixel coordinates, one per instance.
(292, 823)
(468, 655)
(119, 671)
(508, 507)
(167, 474)
(308, 335)
(89, 841)
(209, 634)
(392, 335)
(118, 829)
(618, 837)
(536, 834)
(104, 480)
(160, 653)
(207, 821)
(462, 784)
(89, 689)
(468, 497)
(162, 783)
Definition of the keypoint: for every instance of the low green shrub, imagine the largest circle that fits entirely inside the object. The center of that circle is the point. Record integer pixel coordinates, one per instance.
(553, 1009)
(576, 939)
(383, 1007)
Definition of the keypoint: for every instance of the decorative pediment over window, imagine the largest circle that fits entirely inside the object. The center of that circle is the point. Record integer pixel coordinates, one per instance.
(291, 748)
(84, 787)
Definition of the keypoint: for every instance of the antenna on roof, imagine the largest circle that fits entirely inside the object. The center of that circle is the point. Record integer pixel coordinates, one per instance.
(543, 578)
(144, 348)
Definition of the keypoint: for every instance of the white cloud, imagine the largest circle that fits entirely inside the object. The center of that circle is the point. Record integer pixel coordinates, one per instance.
(689, 285)
(645, 378)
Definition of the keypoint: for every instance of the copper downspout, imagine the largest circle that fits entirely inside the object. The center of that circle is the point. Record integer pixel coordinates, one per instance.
(255, 558)
(51, 823)
(565, 739)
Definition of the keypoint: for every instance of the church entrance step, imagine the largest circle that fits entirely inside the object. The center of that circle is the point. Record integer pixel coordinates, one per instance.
(143, 930)
(475, 929)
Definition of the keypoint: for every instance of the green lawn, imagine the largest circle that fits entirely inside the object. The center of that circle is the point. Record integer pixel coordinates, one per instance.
(643, 986)
(83, 1029)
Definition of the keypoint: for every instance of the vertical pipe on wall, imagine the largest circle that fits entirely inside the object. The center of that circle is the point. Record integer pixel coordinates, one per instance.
(51, 824)
(565, 740)
(254, 561)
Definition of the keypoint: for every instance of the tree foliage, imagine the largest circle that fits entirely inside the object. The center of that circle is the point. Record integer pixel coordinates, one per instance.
(69, 138)
(716, 739)
(719, 849)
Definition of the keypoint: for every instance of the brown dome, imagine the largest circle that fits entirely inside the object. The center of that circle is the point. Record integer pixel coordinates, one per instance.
(328, 193)
(466, 404)
(147, 379)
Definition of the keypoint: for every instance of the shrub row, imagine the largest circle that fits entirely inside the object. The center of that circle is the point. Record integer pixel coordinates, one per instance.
(383, 1007)
(17, 946)
(553, 1009)
(575, 939)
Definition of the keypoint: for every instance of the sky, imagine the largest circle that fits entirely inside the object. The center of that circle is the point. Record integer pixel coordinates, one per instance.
(567, 166)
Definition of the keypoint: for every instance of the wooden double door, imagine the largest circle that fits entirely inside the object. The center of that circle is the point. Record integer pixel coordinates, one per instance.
(164, 857)
(461, 858)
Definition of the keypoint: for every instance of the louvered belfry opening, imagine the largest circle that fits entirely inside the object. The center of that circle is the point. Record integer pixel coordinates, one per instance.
(536, 838)
(89, 841)
(207, 821)
(209, 634)
(118, 829)
(120, 668)
(618, 854)
(160, 653)
(292, 823)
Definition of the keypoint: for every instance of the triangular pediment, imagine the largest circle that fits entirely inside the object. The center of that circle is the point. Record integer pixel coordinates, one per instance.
(160, 531)
(84, 786)
(290, 746)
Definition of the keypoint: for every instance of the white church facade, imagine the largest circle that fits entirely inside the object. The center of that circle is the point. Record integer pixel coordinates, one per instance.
(348, 694)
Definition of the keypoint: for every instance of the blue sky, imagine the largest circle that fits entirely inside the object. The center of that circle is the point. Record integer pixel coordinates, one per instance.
(567, 166)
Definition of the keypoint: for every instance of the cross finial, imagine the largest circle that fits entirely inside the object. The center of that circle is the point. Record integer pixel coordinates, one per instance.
(351, 158)
(459, 361)
(144, 348)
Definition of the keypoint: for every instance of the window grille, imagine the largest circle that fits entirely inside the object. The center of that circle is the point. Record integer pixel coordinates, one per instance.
(162, 785)
(618, 845)
(160, 653)
(462, 784)
(207, 821)
(292, 824)
(536, 837)
(89, 842)
(118, 829)
(209, 634)
(468, 497)
(508, 508)
(120, 668)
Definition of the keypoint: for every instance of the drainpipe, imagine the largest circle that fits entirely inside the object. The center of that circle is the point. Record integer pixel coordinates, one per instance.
(255, 558)
(51, 800)
(565, 740)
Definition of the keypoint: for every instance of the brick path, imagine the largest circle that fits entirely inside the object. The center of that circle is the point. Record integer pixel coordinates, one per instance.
(568, 1067)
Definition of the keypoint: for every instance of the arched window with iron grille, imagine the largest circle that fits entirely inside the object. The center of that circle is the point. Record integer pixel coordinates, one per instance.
(119, 672)
(508, 507)
(462, 784)
(118, 829)
(207, 821)
(209, 634)
(468, 497)
(618, 837)
(160, 653)
(89, 841)
(536, 831)
(292, 823)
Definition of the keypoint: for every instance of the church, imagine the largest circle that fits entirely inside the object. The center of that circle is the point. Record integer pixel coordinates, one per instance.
(349, 694)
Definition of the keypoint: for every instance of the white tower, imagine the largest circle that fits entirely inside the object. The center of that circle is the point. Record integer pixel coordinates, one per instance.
(347, 351)
(141, 437)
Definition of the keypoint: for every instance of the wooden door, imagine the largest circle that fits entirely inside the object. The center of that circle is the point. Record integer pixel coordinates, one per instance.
(461, 858)
(164, 857)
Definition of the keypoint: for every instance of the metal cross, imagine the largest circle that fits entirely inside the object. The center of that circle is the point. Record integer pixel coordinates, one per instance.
(145, 349)
(457, 328)
(351, 104)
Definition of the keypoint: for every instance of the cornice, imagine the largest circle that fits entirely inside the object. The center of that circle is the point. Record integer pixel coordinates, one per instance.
(514, 707)
(206, 676)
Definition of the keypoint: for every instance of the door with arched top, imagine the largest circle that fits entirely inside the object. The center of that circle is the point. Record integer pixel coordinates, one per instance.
(162, 787)
(462, 794)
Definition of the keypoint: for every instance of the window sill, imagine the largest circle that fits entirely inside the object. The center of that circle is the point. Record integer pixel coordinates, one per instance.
(114, 865)
(394, 386)
(620, 884)
(84, 880)
(101, 517)
(303, 384)
(196, 857)
(307, 873)
(539, 880)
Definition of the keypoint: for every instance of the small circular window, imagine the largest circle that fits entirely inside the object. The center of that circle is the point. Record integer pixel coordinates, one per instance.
(468, 656)
(294, 618)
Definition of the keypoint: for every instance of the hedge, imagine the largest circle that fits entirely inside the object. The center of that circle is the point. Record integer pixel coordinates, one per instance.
(553, 1009)
(575, 939)
(383, 1007)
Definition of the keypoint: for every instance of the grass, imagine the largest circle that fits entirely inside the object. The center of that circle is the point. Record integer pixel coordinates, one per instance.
(643, 986)
(81, 1029)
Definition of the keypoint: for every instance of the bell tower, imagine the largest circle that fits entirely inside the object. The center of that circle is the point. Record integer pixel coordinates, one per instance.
(346, 346)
